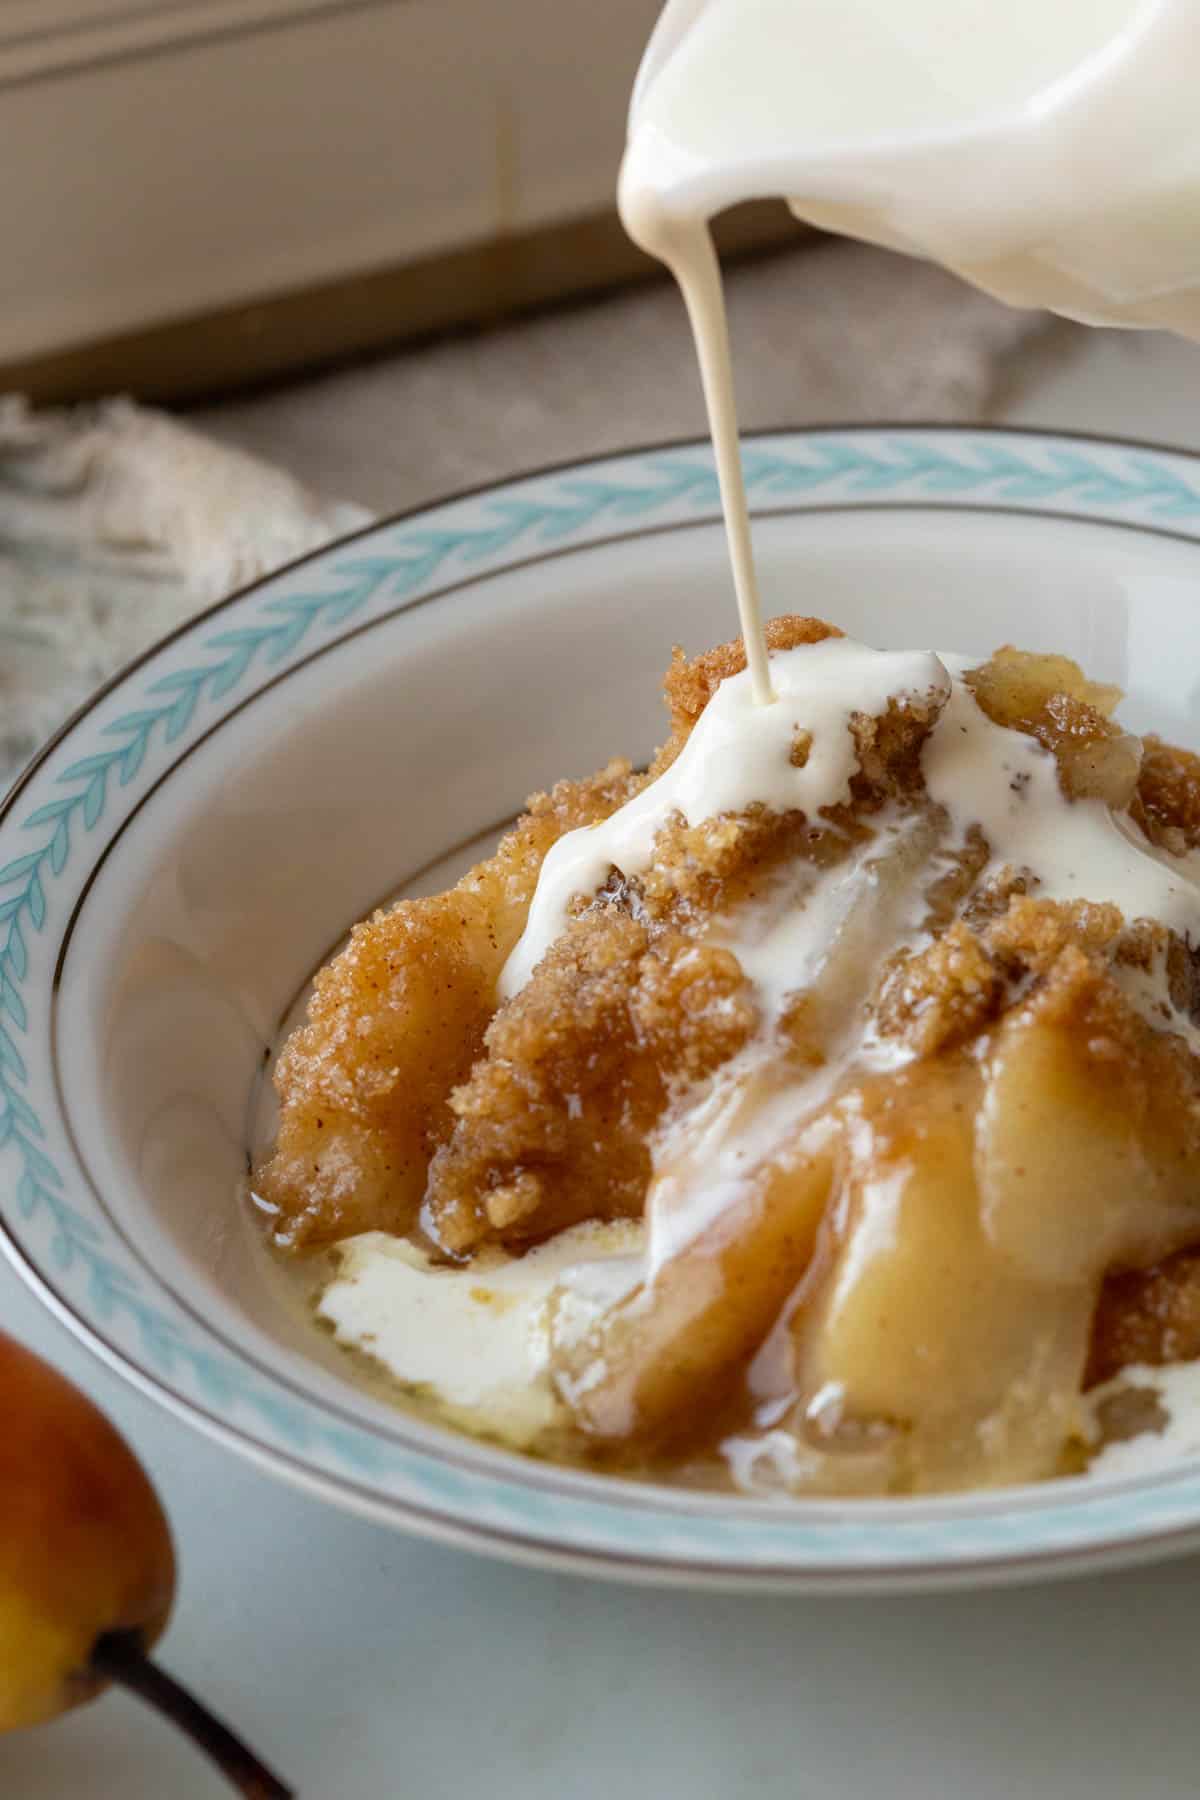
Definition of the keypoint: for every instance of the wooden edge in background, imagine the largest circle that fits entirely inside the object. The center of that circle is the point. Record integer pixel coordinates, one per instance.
(290, 334)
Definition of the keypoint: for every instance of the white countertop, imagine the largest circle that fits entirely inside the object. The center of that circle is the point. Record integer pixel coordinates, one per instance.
(370, 1665)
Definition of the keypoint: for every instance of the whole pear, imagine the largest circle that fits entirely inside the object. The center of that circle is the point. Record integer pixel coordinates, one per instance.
(85, 1548)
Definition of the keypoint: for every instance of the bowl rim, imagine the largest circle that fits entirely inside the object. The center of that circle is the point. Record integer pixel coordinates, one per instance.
(565, 465)
(626, 1563)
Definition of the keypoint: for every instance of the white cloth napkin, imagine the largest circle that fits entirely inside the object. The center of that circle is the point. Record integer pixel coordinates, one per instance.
(115, 524)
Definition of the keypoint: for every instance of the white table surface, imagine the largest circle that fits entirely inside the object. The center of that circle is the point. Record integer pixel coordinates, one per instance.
(371, 1665)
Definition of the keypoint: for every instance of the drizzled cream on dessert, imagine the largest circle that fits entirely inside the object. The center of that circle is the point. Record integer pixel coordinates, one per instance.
(869, 1012)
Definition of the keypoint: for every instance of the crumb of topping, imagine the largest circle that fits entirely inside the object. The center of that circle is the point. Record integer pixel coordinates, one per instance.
(941, 996)
(1148, 1316)
(1168, 795)
(551, 1128)
(889, 749)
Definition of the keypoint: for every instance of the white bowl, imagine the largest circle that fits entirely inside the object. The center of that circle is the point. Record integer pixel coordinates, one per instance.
(184, 853)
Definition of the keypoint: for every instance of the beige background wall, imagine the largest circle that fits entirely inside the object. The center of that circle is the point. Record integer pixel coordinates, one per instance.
(168, 158)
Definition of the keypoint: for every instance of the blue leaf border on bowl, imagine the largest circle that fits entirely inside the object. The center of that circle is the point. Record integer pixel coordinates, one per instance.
(951, 468)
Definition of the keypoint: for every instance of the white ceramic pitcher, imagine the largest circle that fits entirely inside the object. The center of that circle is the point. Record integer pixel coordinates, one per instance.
(1048, 150)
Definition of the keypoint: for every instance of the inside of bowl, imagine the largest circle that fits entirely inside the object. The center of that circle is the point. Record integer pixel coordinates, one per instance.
(310, 803)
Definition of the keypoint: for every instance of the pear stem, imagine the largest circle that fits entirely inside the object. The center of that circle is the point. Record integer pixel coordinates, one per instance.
(119, 1657)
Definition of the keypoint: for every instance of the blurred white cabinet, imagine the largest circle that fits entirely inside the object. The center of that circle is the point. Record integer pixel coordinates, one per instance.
(167, 159)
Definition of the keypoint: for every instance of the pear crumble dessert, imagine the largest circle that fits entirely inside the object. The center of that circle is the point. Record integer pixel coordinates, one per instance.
(817, 1110)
